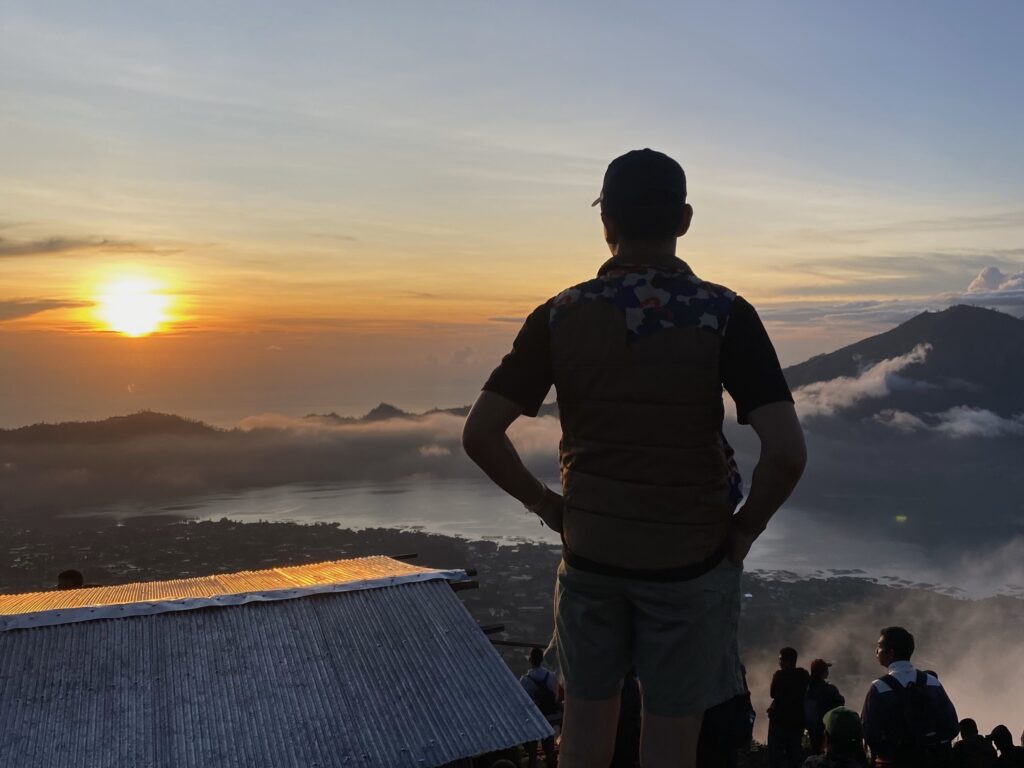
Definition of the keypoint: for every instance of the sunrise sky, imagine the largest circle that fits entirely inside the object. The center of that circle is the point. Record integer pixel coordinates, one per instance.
(224, 209)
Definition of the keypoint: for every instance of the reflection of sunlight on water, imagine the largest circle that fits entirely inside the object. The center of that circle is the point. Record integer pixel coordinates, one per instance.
(797, 545)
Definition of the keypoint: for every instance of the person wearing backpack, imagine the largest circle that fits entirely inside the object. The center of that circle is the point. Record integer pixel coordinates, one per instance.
(909, 721)
(542, 686)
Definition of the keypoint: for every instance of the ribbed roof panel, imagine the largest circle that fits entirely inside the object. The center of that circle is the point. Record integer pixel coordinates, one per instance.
(330, 572)
(39, 609)
(381, 678)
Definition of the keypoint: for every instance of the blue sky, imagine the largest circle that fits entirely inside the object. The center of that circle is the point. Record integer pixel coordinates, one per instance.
(348, 168)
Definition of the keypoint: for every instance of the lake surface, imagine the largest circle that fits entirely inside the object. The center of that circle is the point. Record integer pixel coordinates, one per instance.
(797, 544)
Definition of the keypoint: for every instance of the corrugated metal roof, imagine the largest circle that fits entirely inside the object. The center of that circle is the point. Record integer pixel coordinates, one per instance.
(39, 609)
(380, 678)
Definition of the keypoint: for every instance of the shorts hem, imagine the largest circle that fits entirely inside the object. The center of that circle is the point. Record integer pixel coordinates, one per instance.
(592, 696)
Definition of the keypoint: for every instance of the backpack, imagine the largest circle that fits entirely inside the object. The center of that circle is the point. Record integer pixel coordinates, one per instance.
(812, 717)
(544, 697)
(917, 738)
(818, 701)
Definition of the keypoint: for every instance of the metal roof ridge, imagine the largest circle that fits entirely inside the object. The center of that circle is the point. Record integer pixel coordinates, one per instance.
(59, 616)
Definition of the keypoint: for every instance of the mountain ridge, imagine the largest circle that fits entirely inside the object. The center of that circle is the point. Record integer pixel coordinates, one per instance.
(976, 360)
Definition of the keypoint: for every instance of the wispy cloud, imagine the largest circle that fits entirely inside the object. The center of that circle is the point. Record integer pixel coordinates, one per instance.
(826, 398)
(995, 282)
(901, 275)
(858, 313)
(11, 309)
(51, 246)
(959, 422)
(982, 221)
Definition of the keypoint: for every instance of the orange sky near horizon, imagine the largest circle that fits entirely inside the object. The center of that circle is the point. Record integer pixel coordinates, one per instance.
(332, 225)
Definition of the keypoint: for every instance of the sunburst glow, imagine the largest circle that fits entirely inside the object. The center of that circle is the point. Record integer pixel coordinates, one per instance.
(133, 306)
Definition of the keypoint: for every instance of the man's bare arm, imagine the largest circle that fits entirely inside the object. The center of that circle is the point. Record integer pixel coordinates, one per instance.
(778, 470)
(485, 442)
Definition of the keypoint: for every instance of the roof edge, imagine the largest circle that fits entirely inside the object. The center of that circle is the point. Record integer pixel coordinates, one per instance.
(61, 616)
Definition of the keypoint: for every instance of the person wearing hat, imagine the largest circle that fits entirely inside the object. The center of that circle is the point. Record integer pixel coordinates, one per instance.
(652, 543)
(844, 741)
(822, 697)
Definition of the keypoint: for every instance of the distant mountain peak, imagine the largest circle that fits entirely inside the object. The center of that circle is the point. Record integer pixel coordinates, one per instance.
(386, 411)
(976, 358)
(114, 428)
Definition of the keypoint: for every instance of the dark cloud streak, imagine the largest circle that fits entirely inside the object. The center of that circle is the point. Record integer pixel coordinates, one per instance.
(56, 246)
(12, 309)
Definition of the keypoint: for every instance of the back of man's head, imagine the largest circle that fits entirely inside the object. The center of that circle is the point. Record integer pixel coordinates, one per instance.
(899, 641)
(644, 196)
(845, 732)
(787, 657)
(819, 669)
(69, 579)
(1001, 737)
(536, 656)
(968, 728)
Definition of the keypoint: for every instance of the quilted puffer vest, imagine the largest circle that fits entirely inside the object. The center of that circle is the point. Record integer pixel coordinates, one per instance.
(647, 475)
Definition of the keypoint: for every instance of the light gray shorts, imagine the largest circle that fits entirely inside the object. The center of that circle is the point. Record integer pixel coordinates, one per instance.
(680, 635)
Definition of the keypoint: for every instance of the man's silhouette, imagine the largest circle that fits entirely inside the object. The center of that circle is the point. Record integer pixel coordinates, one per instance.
(822, 697)
(973, 750)
(1010, 755)
(786, 713)
(652, 549)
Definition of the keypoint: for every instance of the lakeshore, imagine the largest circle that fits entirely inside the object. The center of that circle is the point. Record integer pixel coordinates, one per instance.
(835, 617)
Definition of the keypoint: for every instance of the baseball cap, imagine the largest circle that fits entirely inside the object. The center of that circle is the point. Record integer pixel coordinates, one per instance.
(843, 726)
(819, 665)
(642, 178)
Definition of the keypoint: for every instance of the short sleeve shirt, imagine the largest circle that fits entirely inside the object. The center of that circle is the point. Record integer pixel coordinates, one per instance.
(748, 365)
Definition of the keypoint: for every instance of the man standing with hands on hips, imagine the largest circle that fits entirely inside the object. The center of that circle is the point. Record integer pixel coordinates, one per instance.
(652, 544)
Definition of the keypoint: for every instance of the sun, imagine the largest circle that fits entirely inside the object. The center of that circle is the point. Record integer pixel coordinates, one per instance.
(132, 306)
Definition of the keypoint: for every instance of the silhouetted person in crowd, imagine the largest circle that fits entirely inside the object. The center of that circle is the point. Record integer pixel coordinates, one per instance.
(542, 686)
(843, 741)
(909, 720)
(727, 728)
(70, 579)
(786, 713)
(1010, 755)
(627, 734)
(653, 538)
(973, 750)
(822, 696)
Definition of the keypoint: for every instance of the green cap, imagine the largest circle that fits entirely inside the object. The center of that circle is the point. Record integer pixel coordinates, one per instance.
(843, 726)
